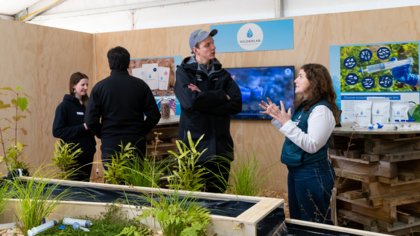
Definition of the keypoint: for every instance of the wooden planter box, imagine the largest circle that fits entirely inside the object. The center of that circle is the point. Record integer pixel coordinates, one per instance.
(243, 225)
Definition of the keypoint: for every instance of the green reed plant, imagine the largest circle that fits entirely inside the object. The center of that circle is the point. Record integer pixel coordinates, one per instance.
(64, 158)
(246, 177)
(36, 199)
(5, 194)
(176, 215)
(117, 168)
(189, 175)
(144, 172)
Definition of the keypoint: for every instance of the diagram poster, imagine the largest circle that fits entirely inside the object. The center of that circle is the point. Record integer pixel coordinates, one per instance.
(389, 70)
(159, 74)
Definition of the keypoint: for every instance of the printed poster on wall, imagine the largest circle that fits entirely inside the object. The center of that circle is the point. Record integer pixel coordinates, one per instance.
(254, 36)
(375, 70)
(159, 74)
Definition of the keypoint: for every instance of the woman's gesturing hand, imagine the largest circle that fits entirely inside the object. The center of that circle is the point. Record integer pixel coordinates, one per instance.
(272, 110)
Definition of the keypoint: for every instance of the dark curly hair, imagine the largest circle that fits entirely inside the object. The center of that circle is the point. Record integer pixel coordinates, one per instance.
(321, 88)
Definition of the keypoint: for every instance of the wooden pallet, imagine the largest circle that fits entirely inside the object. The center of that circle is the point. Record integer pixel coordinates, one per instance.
(378, 179)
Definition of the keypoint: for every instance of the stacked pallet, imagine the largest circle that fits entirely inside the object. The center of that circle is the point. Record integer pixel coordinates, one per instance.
(167, 133)
(378, 179)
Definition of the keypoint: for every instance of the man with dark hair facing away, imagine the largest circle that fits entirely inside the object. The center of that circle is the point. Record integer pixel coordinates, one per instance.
(208, 96)
(116, 108)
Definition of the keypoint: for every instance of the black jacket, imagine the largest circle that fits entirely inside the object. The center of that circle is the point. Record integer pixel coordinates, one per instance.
(121, 101)
(68, 125)
(207, 112)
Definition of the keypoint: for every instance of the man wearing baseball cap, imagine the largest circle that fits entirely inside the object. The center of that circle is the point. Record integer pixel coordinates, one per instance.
(208, 96)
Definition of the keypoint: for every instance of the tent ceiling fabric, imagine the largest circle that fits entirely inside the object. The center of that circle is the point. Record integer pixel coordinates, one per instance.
(97, 16)
(82, 5)
(11, 7)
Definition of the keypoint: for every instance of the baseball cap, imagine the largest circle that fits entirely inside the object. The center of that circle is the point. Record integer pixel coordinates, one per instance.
(200, 35)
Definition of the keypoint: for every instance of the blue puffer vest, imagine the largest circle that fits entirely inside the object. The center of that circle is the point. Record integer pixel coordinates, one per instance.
(293, 155)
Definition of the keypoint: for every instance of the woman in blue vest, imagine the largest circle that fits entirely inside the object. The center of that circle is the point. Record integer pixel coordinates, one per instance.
(311, 175)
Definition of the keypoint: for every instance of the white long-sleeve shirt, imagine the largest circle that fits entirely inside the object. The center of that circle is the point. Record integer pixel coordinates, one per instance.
(321, 123)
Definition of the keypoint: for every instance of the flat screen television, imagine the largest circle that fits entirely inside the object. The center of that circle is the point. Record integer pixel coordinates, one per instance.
(258, 83)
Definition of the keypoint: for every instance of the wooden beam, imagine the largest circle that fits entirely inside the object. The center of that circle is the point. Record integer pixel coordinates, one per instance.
(354, 175)
(384, 146)
(360, 202)
(370, 157)
(405, 175)
(260, 210)
(406, 219)
(333, 228)
(356, 194)
(361, 219)
(381, 168)
(400, 156)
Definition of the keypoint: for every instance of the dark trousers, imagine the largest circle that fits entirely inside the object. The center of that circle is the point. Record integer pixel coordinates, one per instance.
(310, 188)
(84, 162)
(212, 183)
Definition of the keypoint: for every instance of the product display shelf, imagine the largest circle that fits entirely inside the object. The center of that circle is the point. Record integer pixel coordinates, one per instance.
(247, 223)
(377, 178)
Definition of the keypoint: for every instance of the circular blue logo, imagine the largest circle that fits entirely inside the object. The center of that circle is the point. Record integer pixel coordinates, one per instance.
(383, 53)
(365, 55)
(385, 81)
(352, 79)
(368, 83)
(154, 69)
(288, 71)
(350, 62)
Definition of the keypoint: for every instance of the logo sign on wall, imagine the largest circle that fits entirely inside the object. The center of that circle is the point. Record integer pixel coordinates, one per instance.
(254, 36)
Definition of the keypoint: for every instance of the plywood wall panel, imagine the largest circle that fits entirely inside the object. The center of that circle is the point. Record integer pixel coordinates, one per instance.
(390, 25)
(18, 68)
(40, 59)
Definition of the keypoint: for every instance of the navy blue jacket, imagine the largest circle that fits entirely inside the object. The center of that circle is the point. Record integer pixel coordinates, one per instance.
(69, 125)
(292, 154)
(207, 112)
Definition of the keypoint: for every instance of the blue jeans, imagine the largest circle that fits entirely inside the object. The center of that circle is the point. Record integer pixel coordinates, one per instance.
(310, 189)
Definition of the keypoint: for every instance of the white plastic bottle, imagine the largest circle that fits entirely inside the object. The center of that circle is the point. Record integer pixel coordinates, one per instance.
(71, 221)
(39, 229)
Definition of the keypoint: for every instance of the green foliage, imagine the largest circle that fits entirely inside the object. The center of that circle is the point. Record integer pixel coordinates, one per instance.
(144, 172)
(22, 103)
(64, 158)
(14, 157)
(400, 51)
(5, 194)
(189, 174)
(117, 167)
(113, 221)
(246, 177)
(36, 200)
(133, 231)
(178, 216)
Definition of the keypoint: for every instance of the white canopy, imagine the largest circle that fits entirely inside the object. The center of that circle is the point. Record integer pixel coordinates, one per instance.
(117, 15)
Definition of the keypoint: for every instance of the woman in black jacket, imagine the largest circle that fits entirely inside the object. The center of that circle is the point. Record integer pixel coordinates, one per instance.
(70, 127)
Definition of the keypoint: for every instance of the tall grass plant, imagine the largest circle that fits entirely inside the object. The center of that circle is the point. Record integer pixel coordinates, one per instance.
(37, 198)
(245, 177)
